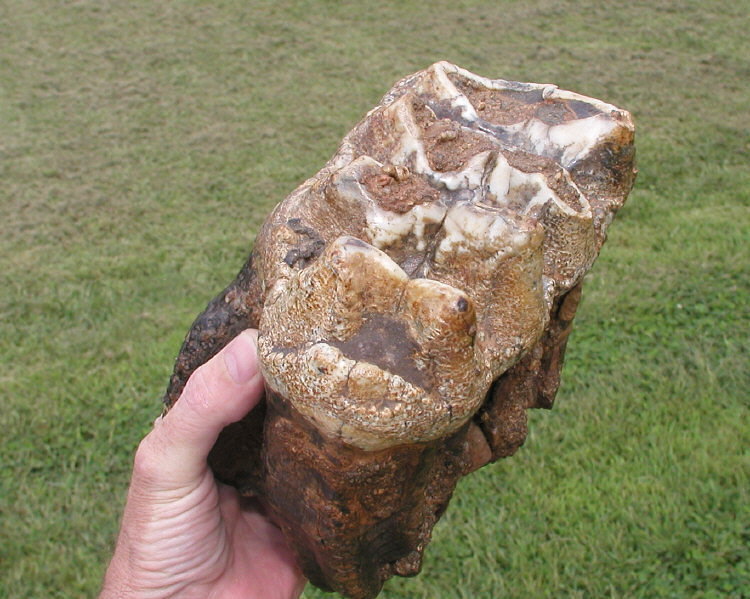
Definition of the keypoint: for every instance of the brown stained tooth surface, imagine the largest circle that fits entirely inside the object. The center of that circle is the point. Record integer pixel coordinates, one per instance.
(414, 299)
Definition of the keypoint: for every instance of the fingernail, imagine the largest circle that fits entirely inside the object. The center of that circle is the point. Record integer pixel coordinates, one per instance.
(241, 357)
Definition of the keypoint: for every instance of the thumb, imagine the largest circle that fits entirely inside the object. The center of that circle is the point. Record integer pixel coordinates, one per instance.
(218, 393)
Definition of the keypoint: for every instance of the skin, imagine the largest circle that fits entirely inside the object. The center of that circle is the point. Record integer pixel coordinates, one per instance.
(183, 534)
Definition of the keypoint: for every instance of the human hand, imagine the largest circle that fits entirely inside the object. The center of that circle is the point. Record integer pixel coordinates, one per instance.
(183, 534)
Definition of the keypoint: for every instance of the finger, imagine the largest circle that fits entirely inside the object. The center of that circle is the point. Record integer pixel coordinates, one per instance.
(218, 393)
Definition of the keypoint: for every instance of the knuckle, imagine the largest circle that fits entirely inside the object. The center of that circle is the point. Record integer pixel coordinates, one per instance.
(146, 460)
(198, 391)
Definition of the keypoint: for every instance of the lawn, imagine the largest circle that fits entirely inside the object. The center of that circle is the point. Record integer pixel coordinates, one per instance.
(141, 146)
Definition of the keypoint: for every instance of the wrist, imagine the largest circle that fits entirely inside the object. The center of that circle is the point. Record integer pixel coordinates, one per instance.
(120, 579)
(115, 588)
(114, 585)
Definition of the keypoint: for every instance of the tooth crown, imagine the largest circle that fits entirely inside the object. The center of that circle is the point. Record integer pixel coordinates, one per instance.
(424, 259)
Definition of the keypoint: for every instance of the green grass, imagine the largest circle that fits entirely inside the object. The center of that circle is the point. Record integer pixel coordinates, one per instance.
(142, 144)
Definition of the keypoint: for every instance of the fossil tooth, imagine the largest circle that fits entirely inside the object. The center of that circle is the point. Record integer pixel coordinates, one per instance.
(414, 299)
